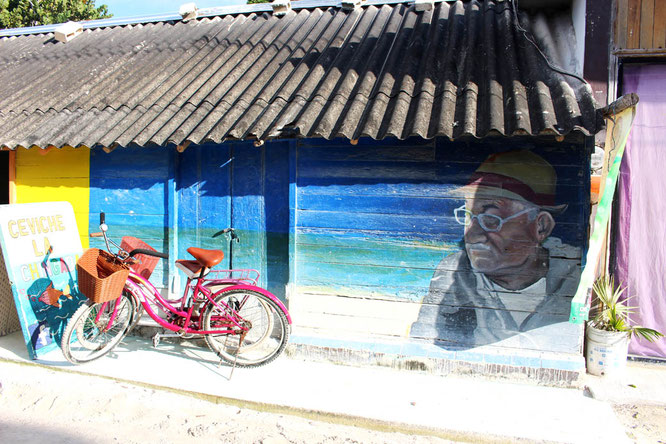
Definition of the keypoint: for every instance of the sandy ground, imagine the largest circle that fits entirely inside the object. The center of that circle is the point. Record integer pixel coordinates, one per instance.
(38, 405)
(644, 423)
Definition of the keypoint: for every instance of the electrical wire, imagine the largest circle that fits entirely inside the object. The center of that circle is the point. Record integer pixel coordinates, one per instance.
(529, 38)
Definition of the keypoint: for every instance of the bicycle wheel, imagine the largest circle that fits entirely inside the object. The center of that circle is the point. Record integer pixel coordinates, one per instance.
(85, 339)
(266, 338)
(137, 311)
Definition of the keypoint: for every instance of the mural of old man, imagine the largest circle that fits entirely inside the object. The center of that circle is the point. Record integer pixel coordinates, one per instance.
(511, 276)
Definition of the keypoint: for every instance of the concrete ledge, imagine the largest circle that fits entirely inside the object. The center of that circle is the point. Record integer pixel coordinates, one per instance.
(436, 365)
(552, 369)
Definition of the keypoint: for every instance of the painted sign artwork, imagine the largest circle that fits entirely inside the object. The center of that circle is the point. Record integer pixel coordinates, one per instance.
(40, 244)
(511, 276)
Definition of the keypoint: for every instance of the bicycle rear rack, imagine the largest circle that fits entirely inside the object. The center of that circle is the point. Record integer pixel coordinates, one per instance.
(236, 276)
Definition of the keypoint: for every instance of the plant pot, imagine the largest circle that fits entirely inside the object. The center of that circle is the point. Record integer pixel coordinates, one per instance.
(606, 352)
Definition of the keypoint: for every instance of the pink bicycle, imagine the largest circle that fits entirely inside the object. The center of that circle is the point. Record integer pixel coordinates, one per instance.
(246, 325)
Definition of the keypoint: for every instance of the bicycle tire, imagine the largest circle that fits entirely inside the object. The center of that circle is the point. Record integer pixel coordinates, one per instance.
(266, 339)
(137, 313)
(83, 340)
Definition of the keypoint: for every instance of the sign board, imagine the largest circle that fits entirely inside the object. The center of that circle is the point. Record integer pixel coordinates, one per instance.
(41, 244)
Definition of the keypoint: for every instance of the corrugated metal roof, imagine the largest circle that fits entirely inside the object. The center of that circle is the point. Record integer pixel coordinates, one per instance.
(463, 68)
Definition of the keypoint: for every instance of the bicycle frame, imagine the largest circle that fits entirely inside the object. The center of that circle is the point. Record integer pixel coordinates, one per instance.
(112, 318)
(216, 305)
(194, 294)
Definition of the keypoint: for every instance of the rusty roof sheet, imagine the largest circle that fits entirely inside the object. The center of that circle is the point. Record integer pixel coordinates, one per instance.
(463, 68)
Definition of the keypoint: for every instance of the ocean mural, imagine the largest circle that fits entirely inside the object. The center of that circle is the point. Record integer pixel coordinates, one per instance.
(365, 241)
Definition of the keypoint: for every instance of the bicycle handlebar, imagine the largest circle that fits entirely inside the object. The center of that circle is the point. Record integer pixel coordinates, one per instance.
(148, 253)
(234, 236)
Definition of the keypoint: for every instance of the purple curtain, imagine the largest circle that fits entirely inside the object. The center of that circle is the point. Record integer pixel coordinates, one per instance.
(641, 226)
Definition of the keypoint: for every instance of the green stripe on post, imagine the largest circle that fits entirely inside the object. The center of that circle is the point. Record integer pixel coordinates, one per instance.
(619, 126)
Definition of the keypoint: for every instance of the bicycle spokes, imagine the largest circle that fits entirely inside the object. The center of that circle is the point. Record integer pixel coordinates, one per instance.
(259, 328)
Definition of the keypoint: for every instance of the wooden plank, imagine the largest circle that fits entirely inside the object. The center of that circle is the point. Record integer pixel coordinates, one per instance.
(621, 17)
(449, 174)
(276, 211)
(363, 274)
(138, 196)
(395, 318)
(55, 163)
(12, 177)
(365, 141)
(387, 256)
(309, 188)
(130, 162)
(293, 221)
(393, 204)
(439, 226)
(360, 315)
(172, 207)
(633, 24)
(248, 207)
(368, 154)
(386, 280)
(659, 34)
(204, 197)
(647, 23)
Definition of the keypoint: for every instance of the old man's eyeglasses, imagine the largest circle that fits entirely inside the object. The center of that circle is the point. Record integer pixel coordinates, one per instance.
(489, 222)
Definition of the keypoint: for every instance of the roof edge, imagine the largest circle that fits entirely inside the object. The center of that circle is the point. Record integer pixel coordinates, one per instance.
(202, 13)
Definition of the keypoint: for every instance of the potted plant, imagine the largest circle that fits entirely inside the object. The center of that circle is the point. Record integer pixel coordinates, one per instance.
(609, 330)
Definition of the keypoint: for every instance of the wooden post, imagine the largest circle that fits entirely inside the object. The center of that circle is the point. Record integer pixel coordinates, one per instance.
(12, 176)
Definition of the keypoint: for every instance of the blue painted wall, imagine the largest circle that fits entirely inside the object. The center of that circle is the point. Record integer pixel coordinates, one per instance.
(379, 215)
(130, 186)
(216, 186)
(351, 234)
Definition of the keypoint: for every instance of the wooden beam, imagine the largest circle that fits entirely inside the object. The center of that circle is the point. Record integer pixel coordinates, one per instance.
(657, 52)
(12, 176)
(293, 221)
(173, 284)
(108, 149)
(622, 13)
(647, 23)
(633, 24)
(183, 146)
(659, 34)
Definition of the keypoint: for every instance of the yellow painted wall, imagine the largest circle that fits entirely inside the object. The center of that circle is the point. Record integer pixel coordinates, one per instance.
(56, 175)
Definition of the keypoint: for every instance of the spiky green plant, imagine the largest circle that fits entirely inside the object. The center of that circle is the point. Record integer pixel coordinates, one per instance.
(612, 314)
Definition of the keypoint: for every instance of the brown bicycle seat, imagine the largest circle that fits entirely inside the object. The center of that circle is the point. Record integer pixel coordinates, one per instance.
(191, 268)
(206, 258)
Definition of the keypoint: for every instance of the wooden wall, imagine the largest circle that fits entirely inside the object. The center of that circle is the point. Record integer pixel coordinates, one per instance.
(56, 175)
(373, 222)
(130, 186)
(640, 25)
(350, 235)
(174, 201)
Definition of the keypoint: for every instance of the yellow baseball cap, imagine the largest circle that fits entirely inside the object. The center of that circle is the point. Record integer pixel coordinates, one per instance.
(518, 175)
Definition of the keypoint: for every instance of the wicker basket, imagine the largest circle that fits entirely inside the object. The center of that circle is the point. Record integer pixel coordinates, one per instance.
(147, 263)
(101, 276)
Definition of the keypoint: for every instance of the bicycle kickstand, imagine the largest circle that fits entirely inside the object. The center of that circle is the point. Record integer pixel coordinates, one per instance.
(233, 367)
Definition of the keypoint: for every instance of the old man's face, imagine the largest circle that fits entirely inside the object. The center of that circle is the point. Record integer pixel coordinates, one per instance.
(509, 249)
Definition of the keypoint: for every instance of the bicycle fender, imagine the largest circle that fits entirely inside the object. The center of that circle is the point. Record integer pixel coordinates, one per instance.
(263, 291)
